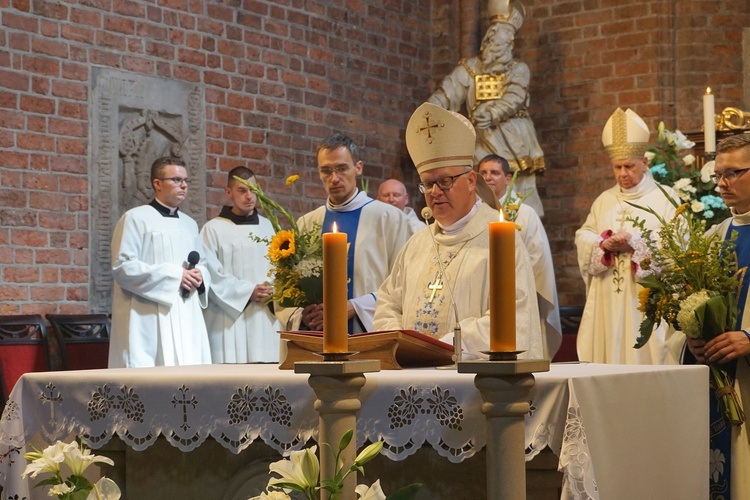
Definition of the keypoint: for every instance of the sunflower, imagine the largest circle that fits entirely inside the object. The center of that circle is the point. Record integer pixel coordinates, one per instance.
(292, 179)
(282, 246)
(643, 299)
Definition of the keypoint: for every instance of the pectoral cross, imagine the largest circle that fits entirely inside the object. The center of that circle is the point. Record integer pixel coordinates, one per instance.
(435, 286)
(623, 215)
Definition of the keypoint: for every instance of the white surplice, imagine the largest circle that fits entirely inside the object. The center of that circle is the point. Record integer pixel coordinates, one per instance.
(611, 320)
(152, 324)
(239, 331)
(535, 238)
(382, 231)
(405, 300)
(415, 223)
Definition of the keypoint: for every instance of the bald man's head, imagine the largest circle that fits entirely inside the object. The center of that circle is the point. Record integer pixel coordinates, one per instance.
(394, 193)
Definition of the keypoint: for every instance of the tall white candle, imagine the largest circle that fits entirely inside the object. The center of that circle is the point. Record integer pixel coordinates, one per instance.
(709, 123)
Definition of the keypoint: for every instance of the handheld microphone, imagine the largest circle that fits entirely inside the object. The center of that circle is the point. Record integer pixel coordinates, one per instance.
(193, 258)
(427, 215)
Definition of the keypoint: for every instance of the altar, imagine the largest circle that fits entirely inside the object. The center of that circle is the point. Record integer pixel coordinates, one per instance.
(617, 432)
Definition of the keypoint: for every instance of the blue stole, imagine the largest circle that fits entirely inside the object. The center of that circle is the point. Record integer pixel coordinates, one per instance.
(720, 432)
(346, 222)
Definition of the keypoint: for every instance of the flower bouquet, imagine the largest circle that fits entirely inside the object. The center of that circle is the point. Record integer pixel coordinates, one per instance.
(295, 254)
(301, 472)
(672, 168)
(692, 283)
(75, 486)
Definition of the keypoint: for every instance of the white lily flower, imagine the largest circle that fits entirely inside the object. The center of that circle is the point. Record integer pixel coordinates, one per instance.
(48, 460)
(79, 459)
(374, 492)
(697, 207)
(302, 468)
(688, 159)
(649, 155)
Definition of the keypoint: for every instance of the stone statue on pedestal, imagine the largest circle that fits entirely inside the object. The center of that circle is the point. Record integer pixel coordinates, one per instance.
(493, 88)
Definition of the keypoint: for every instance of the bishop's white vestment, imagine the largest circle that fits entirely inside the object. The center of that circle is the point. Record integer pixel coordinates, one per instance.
(239, 331)
(410, 299)
(611, 320)
(152, 324)
(378, 232)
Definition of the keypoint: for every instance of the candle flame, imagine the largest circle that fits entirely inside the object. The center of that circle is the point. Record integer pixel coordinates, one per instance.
(502, 215)
(335, 228)
(708, 90)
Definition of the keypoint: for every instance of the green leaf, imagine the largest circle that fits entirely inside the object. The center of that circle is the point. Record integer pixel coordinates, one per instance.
(713, 316)
(647, 328)
(405, 493)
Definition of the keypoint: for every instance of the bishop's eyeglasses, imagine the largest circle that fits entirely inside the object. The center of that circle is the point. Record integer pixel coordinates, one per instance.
(444, 183)
(729, 175)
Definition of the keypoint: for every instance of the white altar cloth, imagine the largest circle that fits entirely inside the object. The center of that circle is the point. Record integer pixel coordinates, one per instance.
(619, 431)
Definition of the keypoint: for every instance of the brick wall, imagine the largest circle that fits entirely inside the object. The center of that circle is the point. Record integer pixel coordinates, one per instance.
(280, 74)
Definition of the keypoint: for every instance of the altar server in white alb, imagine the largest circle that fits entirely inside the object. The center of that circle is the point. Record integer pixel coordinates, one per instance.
(497, 173)
(416, 296)
(160, 279)
(241, 327)
(610, 251)
(375, 231)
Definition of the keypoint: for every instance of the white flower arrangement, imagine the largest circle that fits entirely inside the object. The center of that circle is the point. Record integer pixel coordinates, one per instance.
(75, 486)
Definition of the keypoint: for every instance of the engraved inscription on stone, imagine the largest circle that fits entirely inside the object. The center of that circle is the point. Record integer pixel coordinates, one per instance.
(136, 119)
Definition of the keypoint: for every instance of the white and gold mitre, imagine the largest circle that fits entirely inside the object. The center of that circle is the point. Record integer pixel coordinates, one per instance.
(509, 12)
(436, 137)
(625, 135)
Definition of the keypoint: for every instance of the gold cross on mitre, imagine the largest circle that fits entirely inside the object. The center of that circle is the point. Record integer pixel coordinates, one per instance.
(435, 286)
(428, 127)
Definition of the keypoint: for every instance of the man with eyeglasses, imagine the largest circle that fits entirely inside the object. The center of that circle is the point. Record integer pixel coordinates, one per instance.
(497, 173)
(375, 231)
(610, 251)
(160, 279)
(241, 327)
(416, 295)
(732, 349)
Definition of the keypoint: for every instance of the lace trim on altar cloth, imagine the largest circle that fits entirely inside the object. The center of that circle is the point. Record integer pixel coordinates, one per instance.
(575, 461)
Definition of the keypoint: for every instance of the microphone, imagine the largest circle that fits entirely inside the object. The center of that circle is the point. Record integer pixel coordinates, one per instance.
(427, 215)
(193, 258)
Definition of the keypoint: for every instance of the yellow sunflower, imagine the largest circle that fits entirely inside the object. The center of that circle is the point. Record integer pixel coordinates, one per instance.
(282, 245)
(292, 179)
(643, 299)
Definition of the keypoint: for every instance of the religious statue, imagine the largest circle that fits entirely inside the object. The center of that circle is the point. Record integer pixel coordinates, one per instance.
(493, 87)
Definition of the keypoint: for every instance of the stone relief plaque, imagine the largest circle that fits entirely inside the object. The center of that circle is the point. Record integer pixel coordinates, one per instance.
(135, 119)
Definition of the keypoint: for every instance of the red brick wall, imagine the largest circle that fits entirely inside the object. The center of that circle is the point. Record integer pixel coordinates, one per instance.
(280, 74)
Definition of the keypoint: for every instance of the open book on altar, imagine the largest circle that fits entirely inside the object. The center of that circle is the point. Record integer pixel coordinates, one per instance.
(395, 349)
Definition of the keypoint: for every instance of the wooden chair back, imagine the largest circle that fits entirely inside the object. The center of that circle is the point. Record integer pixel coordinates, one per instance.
(83, 339)
(23, 348)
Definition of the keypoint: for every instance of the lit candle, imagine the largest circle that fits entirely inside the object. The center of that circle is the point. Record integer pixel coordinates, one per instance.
(502, 285)
(335, 334)
(709, 123)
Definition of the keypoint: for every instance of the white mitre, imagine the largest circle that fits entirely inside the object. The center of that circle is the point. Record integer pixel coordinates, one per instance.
(436, 138)
(625, 135)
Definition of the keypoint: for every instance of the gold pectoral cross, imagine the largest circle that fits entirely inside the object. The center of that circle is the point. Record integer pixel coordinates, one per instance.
(435, 286)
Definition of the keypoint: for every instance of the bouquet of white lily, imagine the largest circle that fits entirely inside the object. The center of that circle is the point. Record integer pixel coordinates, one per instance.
(75, 486)
(301, 472)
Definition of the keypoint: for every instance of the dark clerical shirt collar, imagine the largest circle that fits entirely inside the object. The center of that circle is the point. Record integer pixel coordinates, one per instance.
(251, 218)
(164, 210)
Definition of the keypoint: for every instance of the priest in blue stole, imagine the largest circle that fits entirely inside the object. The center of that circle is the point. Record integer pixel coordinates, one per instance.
(375, 231)
(730, 444)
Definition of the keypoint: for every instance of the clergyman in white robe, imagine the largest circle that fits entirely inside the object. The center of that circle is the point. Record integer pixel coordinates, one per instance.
(152, 324)
(239, 330)
(611, 320)
(381, 232)
(406, 302)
